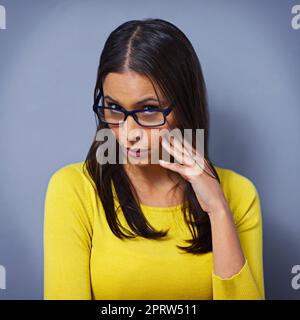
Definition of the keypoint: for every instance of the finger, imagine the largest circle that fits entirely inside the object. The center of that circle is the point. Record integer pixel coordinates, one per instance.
(185, 170)
(197, 156)
(171, 150)
(175, 152)
(192, 159)
(188, 147)
(177, 144)
(173, 166)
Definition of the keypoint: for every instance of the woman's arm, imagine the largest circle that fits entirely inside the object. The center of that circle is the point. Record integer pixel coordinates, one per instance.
(67, 238)
(234, 241)
(228, 255)
(238, 272)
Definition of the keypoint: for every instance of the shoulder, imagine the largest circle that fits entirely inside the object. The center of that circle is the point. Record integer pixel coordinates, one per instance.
(70, 176)
(234, 182)
(70, 192)
(241, 194)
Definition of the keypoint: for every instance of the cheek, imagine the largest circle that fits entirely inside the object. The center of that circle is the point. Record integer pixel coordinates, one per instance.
(115, 132)
(171, 122)
(156, 133)
(155, 138)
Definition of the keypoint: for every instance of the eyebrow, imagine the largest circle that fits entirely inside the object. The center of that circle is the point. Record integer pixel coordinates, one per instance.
(137, 103)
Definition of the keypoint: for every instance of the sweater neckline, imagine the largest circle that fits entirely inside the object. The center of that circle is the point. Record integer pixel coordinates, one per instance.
(162, 209)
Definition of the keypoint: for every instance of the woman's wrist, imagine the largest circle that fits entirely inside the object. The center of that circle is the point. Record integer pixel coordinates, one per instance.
(220, 211)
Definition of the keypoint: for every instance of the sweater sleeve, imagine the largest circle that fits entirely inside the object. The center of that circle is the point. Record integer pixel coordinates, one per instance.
(248, 283)
(67, 237)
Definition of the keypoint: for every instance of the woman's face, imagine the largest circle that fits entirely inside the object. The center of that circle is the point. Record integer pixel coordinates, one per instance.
(128, 90)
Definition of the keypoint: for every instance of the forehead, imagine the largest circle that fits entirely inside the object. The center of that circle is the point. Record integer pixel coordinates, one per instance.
(129, 87)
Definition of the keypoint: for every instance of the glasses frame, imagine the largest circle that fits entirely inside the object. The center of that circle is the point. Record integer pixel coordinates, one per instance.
(165, 112)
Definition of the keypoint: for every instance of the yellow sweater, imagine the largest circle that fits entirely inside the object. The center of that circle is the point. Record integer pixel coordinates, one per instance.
(83, 259)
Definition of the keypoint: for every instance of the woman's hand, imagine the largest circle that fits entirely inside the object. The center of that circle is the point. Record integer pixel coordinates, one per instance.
(194, 168)
(227, 251)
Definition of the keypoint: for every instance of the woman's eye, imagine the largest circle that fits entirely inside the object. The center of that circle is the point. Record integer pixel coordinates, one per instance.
(151, 108)
(113, 106)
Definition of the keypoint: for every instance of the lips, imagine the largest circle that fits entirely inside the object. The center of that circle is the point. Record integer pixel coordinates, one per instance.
(137, 151)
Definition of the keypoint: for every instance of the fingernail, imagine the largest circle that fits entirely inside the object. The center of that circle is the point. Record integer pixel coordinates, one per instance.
(164, 139)
(162, 161)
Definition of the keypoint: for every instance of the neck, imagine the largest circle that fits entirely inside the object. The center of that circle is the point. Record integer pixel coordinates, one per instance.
(151, 174)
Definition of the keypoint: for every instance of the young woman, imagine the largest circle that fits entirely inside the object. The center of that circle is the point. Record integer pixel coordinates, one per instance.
(140, 230)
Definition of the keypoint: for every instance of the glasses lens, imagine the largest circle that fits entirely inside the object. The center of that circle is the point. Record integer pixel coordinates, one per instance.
(111, 115)
(150, 118)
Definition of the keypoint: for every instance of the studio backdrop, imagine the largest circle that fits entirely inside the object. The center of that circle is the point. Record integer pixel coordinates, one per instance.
(49, 53)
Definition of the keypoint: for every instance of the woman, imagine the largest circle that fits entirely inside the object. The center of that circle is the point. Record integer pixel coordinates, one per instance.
(120, 230)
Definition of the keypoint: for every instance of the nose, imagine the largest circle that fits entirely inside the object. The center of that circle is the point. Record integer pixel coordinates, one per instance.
(134, 130)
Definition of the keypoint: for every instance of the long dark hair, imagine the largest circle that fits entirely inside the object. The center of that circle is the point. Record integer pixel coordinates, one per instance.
(159, 50)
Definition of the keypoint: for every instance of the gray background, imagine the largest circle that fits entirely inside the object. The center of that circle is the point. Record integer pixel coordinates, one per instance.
(49, 56)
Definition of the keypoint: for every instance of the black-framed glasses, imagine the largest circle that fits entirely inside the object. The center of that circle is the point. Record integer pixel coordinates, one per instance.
(149, 116)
